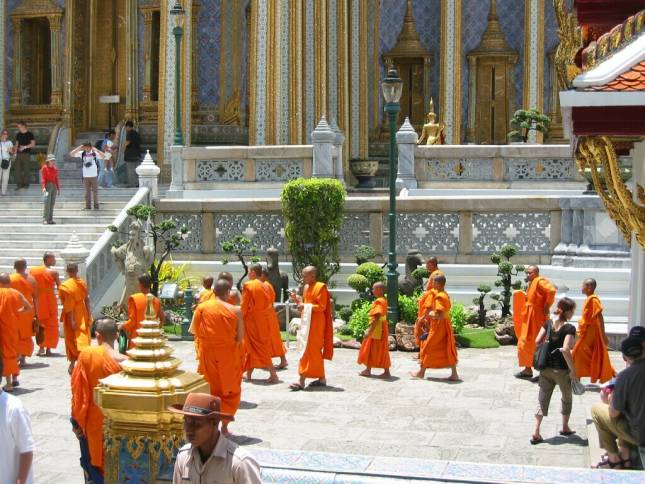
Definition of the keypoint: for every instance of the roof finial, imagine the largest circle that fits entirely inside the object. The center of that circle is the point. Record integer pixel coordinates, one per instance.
(493, 10)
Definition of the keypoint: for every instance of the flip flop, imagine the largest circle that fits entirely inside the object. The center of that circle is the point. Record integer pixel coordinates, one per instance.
(570, 432)
(317, 383)
(296, 387)
(523, 376)
(535, 441)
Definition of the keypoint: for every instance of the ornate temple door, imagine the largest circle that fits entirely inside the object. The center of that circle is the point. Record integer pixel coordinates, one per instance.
(492, 123)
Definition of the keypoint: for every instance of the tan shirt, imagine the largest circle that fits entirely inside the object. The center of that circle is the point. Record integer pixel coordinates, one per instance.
(228, 464)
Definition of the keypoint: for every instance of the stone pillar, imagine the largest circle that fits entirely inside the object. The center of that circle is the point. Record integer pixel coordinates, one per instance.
(132, 60)
(16, 97)
(323, 138)
(148, 173)
(177, 170)
(450, 70)
(637, 274)
(577, 231)
(534, 59)
(56, 55)
(406, 140)
(337, 152)
(76, 253)
(565, 230)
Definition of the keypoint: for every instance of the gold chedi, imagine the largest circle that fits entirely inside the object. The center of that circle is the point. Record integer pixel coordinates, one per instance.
(140, 436)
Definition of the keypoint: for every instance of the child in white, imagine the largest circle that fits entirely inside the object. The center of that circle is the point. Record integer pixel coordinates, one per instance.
(90, 157)
(6, 150)
(16, 441)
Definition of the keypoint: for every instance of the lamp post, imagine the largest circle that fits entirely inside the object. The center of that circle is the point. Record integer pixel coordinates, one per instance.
(178, 32)
(392, 87)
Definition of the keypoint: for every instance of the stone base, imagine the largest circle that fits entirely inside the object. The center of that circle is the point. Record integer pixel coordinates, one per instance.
(604, 262)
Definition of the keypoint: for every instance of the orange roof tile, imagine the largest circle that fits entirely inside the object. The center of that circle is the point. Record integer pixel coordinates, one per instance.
(632, 80)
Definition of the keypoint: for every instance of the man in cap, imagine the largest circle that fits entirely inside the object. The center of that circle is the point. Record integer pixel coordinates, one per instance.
(621, 420)
(209, 456)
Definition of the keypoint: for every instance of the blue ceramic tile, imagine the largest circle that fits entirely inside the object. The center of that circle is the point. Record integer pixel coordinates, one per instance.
(276, 458)
(335, 462)
(407, 467)
(292, 476)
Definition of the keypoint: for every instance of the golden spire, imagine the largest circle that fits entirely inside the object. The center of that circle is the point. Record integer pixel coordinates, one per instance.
(408, 43)
(493, 39)
(431, 107)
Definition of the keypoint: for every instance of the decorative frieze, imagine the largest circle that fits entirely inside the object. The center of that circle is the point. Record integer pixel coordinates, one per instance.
(263, 229)
(434, 233)
(216, 170)
(354, 232)
(538, 169)
(529, 232)
(460, 169)
(193, 222)
(279, 170)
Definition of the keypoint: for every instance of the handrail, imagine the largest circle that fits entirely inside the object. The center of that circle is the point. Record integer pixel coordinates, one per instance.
(100, 262)
(53, 138)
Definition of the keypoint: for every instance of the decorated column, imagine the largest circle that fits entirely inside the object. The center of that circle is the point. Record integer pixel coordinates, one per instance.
(56, 56)
(450, 70)
(406, 139)
(534, 59)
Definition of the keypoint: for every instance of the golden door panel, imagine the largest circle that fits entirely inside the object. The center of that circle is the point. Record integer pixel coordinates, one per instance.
(492, 117)
(36, 67)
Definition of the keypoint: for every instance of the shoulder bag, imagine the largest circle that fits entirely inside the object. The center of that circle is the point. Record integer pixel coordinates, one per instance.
(541, 355)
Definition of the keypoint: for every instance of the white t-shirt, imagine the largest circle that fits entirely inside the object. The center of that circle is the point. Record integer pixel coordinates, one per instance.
(92, 170)
(5, 150)
(15, 437)
(107, 145)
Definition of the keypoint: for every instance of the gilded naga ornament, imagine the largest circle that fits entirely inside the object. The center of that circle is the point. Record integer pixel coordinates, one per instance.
(570, 43)
(432, 131)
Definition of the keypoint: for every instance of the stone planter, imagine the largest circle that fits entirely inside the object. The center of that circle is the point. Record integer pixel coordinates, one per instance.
(364, 171)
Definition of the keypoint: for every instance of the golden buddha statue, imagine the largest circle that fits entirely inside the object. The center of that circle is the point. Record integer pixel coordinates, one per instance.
(432, 131)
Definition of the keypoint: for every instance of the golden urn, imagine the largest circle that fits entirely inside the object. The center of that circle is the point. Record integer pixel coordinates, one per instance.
(140, 436)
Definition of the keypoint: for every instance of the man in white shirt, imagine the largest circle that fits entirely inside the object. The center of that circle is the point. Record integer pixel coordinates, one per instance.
(16, 442)
(209, 456)
(90, 157)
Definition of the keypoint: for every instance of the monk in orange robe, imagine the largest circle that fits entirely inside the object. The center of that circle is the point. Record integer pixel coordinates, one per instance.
(534, 313)
(47, 309)
(375, 350)
(76, 315)
(438, 348)
(25, 285)
(277, 346)
(256, 307)
(320, 340)
(137, 309)
(94, 363)
(433, 270)
(206, 294)
(12, 303)
(234, 296)
(220, 329)
(590, 356)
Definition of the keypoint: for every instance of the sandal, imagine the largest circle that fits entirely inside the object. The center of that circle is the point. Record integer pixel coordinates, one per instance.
(296, 387)
(626, 463)
(607, 464)
(536, 440)
(318, 383)
(523, 376)
(567, 433)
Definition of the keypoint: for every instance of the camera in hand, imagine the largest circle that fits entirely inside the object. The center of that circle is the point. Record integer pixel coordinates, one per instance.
(87, 164)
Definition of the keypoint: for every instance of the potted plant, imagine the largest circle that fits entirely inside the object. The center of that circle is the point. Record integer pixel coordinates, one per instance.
(364, 171)
(526, 120)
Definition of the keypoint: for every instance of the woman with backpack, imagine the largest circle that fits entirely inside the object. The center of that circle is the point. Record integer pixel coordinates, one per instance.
(557, 336)
(90, 157)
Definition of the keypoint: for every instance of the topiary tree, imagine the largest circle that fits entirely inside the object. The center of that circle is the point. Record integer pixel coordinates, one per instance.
(525, 121)
(313, 215)
(165, 238)
(505, 273)
(242, 247)
(483, 289)
(366, 275)
(364, 253)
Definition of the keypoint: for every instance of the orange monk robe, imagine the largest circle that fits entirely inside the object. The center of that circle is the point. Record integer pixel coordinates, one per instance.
(277, 346)
(375, 351)
(590, 356)
(136, 313)
(94, 363)
(425, 301)
(216, 327)
(10, 304)
(25, 345)
(256, 307)
(320, 344)
(205, 295)
(73, 293)
(47, 310)
(539, 294)
(439, 349)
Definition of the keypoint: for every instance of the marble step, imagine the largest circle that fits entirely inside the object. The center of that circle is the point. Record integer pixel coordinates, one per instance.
(63, 229)
(41, 245)
(67, 204)
(24, 239)
(61, 219)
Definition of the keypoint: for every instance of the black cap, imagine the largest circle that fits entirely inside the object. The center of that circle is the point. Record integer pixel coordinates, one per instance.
(637, 332)
(632, 347)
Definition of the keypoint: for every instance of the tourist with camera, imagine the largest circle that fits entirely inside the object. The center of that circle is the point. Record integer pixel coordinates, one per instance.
(90, 157)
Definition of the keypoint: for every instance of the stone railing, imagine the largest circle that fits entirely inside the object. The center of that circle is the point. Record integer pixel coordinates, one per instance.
(460, 229)
(100, 269)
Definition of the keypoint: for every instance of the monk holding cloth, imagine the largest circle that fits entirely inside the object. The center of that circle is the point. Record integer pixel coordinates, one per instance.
(375, 351)
(76, 315)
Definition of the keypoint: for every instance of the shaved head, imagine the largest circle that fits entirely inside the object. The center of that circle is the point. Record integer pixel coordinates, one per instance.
(256, 269)
(145, 281)
(72, 269)
(20, 265)
(222, 288)
(265, 271)
(439, 279)
(591, 283)
(378, 285)
(207, 282)
(4, 279)
(49, 258)
(532, 272)
(310, 269)
(107, 328)
(309, 275)
(535, 269)
(227, 276)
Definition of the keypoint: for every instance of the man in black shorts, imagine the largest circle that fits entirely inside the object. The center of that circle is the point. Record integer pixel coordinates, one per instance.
(25, 142)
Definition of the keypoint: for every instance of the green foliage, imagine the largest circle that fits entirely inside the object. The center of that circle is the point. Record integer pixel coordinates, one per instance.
(372, 271)
(360, 319)
(420, 273)
(408, 308)
(170, 273)
(459, 317)
(359, 283)
(241, 246)
(313, 214)
(483, 289)
(345, 313)
(364, 253)
(525, 121)
(505, 273)
(345, 330)
(477, 338)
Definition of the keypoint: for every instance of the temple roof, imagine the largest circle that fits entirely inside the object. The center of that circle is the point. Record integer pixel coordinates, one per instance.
(632, 80)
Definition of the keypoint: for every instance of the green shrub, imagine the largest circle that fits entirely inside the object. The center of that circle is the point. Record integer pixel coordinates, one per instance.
(525, 121)
(408, 307)
(505, 273)
(360, 320)
(313, 215)
(345, 313)
(359, 283)
(372, 271)
(459, 317)
(420, 273)
(345, 330)
(364, 253)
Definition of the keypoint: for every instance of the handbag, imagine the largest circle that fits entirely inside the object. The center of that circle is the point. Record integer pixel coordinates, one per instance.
(5, 164)
(541, 355)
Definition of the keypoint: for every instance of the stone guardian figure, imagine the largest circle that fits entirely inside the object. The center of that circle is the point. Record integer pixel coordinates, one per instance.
(133, 259)
(279, 280)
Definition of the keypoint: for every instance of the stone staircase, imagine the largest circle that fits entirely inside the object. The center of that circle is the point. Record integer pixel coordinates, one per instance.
(22, 233)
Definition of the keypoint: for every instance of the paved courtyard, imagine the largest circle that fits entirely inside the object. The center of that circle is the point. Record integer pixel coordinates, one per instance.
(486, 418)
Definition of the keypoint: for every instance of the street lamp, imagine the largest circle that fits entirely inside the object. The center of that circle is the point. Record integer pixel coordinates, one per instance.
(392, 87)
(178, 31)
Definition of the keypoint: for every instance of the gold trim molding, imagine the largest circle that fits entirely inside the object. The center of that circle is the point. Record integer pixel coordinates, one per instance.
(597, 154)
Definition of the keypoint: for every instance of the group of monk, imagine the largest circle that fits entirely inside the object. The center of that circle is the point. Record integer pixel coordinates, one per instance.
(533, 308)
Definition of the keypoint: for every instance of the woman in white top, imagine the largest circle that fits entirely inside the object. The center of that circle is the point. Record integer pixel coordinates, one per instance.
(6, 151)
